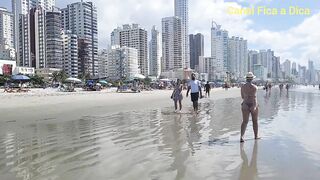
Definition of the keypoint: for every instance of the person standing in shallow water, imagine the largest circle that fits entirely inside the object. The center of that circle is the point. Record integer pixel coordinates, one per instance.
(177, 96)
(249, 106)
(207, 89)
(195, 87)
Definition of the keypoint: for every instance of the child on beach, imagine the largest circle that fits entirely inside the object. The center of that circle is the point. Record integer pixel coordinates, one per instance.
(177, 95)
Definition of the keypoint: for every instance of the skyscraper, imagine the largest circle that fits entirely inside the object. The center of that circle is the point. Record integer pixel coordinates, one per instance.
(136, 37)
(21, 10)
(70, 54)
(6, 28)
(238, 56)
(287, 69)
(181, 11)
(172, 44)
(196, 49)
(54, 42)
(81, 19)
(154, 53)
(122, 63)
(219, 49)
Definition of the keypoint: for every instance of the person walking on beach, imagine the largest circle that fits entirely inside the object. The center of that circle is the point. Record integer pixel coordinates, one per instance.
(177, 96)
(207, 89)
(287, 87)
(195, 87)
(249, 106)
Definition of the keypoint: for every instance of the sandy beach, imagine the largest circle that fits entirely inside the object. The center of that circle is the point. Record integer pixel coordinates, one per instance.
(137, 136)
(49, 104)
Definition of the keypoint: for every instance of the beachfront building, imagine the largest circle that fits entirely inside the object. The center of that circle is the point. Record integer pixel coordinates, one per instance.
(207, 66)
(115, 37)
(171, 44)
(122, 63)
(135, 37)
(6, 28)
(286, 68)
(154, 53)
(81, 19)
(302, 70)
(6, 52)
(103, 60)
(32, 39)
(252, 59)
(22, 26)
(265, 59)
(219, 50)
(54, 43)
(181, 10)
(276, 69)
(196, 49)
(311, 73)
(260, 72)
(70, 54)
(238, 56)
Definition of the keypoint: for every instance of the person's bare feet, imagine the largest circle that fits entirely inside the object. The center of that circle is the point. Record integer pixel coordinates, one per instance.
(257, 138)
(241, 140)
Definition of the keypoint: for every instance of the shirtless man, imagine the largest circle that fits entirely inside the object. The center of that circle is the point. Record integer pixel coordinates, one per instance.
(249, 106)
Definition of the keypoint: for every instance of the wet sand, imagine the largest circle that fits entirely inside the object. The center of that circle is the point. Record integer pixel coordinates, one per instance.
(155, 143)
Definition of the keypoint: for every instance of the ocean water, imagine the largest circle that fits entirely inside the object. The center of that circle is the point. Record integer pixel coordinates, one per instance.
(159, 144)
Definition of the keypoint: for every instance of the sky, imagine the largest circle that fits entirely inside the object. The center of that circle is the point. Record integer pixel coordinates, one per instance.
(296, 37)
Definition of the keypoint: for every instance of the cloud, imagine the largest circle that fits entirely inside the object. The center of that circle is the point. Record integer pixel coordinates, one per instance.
(298, 43)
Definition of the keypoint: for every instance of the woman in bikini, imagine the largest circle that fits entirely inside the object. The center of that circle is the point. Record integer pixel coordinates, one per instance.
(249, 106)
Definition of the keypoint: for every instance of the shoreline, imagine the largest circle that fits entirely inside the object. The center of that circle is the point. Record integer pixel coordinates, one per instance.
(33, 107)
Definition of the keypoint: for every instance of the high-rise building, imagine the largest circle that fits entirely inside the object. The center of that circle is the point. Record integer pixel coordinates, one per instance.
(81, 19)
(276, 70)
(311, 72)
(103, 60)
(265, 59)
(302, 74)
(287, 69)
(122, 63)
(181, 11)
(136, 37)
(219, 49)
(115, 37)
(252, 59)
(171, 44)
(238, 56)
(154, 53)
(37, 38)
(70, 54)
(196, 49)
(21, 23)
(6, 28)
(54, 43)
(206, 65)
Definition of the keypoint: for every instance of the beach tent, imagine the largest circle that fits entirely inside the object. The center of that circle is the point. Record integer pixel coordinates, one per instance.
(20, 78)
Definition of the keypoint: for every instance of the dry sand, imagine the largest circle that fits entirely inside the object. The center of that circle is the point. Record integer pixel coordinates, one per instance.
(49, 104)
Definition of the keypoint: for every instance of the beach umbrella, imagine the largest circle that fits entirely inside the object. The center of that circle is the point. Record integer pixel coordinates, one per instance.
(139, 76)
(20, 78)
(73, 80)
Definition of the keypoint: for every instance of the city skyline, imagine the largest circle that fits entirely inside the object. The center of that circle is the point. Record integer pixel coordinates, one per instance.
(291, 39)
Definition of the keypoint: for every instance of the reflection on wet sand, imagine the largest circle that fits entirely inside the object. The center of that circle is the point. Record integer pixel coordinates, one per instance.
(249, 170)
(160, 144)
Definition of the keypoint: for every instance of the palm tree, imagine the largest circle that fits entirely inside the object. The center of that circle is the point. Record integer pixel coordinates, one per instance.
(55, 77)
(62, 75)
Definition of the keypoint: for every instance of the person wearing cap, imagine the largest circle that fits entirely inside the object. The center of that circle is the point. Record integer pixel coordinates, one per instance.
(249, 105)
(195, 87)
